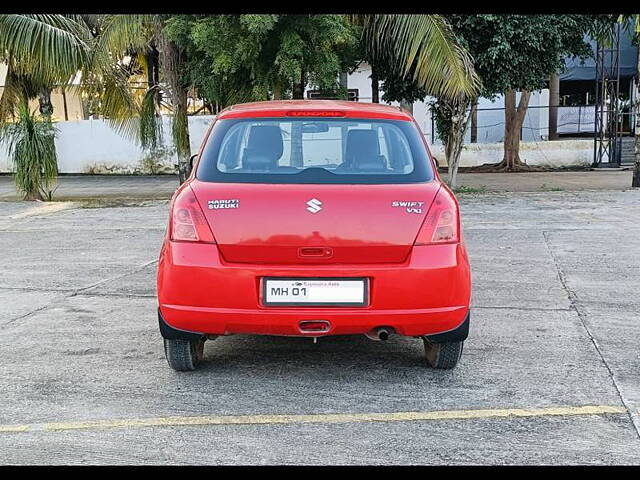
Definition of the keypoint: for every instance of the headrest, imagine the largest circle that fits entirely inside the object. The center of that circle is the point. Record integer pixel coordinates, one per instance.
(363, 150)
(265, 140)
(362, 143)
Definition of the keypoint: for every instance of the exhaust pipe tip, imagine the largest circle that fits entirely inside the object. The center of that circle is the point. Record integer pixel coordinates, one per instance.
(379, 334)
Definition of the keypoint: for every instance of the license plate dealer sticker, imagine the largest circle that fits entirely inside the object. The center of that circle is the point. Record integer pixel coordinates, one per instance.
(336, 292)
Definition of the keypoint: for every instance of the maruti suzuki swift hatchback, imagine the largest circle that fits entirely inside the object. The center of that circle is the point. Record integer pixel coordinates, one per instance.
(313, 218)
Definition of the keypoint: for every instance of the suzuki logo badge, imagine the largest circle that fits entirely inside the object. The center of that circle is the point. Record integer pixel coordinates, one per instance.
(314, 205)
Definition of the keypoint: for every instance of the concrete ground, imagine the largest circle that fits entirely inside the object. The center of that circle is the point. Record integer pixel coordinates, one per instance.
(121, 188)
(549, 374)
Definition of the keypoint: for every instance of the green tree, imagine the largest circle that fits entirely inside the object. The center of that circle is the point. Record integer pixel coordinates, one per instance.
(510, 53)
(218, 89)
(451, 114)
(144, 36)
(277, 55)
(518, 53)
(42, 52)
(30, 144)
(448, 109)
(260, 55)
(255, 56)
(419, 49)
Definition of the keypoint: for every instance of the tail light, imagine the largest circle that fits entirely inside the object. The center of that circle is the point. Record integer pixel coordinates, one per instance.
(315, 113)
(188, 223)
(442, 224)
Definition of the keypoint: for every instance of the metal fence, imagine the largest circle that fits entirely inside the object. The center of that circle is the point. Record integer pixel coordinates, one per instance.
(578, 121)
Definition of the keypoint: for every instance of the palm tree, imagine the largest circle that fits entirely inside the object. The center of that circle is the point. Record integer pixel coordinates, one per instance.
(142, 35)
(30, 143)
(42, 52)
(421, 45)
(424, 47)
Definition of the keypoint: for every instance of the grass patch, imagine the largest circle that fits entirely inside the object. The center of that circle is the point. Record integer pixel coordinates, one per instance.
(544, 188)
(118, 202)
(467, 189)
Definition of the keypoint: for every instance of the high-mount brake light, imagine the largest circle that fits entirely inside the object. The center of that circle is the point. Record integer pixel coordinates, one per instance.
(188, 223)
(315, 113)
(442, 224)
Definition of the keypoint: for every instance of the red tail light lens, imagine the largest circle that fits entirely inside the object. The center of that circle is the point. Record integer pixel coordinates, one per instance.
(188, 223)
(442, 224)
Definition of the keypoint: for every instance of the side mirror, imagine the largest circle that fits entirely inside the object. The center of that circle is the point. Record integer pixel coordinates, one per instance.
(191, 160)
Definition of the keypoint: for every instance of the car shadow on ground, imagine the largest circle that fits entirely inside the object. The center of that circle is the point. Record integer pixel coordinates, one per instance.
(331, 357)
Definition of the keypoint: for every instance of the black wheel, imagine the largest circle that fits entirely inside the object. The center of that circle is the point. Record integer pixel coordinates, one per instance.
(183, 355)
(442, 355)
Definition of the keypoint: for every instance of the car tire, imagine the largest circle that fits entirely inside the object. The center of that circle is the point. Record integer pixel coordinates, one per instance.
(183, 355)
(442, 355)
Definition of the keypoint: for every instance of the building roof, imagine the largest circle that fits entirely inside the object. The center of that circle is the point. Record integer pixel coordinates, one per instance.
(578, 70)
(312, 108)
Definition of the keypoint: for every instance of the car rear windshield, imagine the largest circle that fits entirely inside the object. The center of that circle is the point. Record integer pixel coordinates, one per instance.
(314, 150)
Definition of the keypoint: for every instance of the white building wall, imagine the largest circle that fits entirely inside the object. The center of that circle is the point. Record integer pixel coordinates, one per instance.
(559, 153)
(93, 146)
(360, 80)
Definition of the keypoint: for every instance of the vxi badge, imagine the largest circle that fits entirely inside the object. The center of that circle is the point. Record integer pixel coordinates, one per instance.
(412, 207)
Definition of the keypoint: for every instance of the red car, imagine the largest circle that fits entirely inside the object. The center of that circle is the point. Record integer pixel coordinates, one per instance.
(313, 218)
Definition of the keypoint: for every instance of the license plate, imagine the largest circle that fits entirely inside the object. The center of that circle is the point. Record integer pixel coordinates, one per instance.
(333, 292)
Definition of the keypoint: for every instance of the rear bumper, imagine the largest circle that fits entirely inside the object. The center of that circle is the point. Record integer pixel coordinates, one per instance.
(200, 293)
(458, 334)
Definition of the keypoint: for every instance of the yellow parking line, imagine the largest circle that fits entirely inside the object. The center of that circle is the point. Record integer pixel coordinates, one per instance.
(179, 421)
(14, 428)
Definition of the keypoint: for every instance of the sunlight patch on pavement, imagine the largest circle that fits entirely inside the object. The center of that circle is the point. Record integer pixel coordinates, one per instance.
(43, 208)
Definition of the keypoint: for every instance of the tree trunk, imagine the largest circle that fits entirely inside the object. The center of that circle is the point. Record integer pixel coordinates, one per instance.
(152, 66)
(298, 88)
(456, 111)
(344, 85)
(635, 182)
(474, 121)
(375, 86)
(153, 74)
(509, 124)
(171, 61)
(554, 101)
(514, 118)
(45, 105)
(64, 104)
(277, 91)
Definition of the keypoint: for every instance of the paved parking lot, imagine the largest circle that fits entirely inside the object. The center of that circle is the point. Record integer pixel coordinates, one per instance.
(550, 372)
(125, 188)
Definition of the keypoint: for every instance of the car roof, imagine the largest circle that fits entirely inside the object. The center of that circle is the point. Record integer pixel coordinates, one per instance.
(340, 108)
